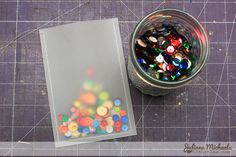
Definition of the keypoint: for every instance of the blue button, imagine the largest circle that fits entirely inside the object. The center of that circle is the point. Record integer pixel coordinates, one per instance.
(86, 130)
(80, 129)
(176, 62)
(183, 65)
(115, 118)
(117, 102)
(68, 134)
(178, 73)
(95, 124)
(124, 119)
(125, 128)
(140, 60)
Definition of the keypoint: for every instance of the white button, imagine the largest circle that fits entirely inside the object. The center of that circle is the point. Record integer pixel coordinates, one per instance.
(109, 129)
(160, 58)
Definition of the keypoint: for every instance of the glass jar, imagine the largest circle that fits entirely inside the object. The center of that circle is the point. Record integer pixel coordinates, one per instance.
(188, 26)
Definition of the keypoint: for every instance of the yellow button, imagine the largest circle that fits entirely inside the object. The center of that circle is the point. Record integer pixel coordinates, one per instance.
(110, 121)
(73, 126)
(90, 111)
(108, 104)
(75, 134)
(77, 104)
(102, 111)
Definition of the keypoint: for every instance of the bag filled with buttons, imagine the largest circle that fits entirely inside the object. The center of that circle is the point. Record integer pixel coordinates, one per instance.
(87, 84)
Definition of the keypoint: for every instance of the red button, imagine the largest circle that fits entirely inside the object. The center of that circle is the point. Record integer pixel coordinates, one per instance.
(60, 117)
(117, 124)
(117, 129)
(103, 123)
(170, 67)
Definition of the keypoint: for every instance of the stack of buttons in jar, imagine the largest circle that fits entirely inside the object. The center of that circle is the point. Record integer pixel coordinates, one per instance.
(165, 54)
(93, 113)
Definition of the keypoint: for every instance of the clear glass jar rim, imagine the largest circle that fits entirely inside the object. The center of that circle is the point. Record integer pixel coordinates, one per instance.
(156, 81)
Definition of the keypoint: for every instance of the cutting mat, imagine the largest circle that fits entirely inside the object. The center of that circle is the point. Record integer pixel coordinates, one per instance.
(205, 110)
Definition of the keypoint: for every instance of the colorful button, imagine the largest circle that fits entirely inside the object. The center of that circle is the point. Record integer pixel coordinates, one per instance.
(86, 130)
(124, 119)
(125, 128)
(123, 113)
(102, 111)
(65, 118)
(115, 118)
(80, 129)
(162, 66)
(117, 129)
(160, 58)
(110, 121)
(141, 61)
(116, 109)
(170, 67)
(117, 124)
(117, 102)
(73, 126)
(109, 129)
(92, 130)
(77, 104)
(63, 129)
(103, 123)
(176, 62)
(178, 73)
(183, 64)
(108, 104)
(75, 134)
(88, 98)
(170, 50)
(100, 131)
(153, 39)
(141, 43)
(59, 117)
(95, 124)
(85, 121)
(103, 96)
(68, 134)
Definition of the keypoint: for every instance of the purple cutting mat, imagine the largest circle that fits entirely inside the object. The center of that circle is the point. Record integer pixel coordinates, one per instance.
(204, 110)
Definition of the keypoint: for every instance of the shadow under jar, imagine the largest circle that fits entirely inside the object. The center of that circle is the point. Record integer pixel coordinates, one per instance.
(168, 48)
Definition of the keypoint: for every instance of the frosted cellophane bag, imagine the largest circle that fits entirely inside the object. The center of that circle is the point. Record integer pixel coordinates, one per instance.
(87, 84)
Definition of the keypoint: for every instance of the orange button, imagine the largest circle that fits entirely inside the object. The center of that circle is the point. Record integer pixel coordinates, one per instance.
(123, 113)
(85, 121)
(63, 129)
(88, 98)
